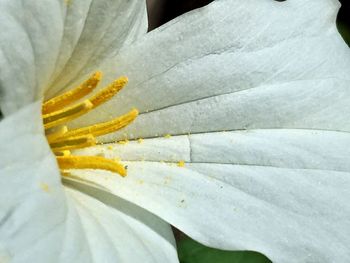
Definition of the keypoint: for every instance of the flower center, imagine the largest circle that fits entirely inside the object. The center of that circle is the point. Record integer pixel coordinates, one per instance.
(59, 110)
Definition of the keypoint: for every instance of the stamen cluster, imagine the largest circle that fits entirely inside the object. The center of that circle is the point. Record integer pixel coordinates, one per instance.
(59, 110)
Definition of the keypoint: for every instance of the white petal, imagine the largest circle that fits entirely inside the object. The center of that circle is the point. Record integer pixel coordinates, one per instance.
(95, 31)
(49, 42)
(285, 148)
(299, 149)
(158, 149)
(237, 65)
(281, 192)
(290, 215)
(121, 231)
(313, 104)
(37, 222)
(31, 33)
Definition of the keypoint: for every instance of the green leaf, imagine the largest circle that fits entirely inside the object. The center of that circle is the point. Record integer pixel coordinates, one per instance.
(192, 252)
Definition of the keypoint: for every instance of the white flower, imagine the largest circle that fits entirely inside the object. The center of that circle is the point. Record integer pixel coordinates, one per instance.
(273, 75)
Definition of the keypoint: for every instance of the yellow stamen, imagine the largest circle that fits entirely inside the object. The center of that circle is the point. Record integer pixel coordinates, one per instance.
(56, 134)
(56, 113)
(90, 162)
(73, 143)
(108, 92)
(62, 116)
(59, 102)
(104, 127)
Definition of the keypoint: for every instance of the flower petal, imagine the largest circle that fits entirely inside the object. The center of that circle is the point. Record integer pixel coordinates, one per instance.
(281, 192)
(95, 30)
(118, 231)
(284, 148)
(44, 45)
(37, 222)
(158, 149)
(237, 65)
(30, 39)
(280, 212)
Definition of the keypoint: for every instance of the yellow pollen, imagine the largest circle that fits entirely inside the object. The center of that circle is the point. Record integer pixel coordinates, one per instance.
(167, 136)
(108, 92)
(181, 164)
(116, 159)
(90, 162)
(123, 142)
(140, 140)
(140, 181)
(57, 112)
(73, 143)
(59, 102)
(45, 187)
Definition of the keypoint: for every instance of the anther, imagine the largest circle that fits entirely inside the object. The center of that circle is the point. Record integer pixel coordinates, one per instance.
(104, 127)
(57, 133)
(73, 143)
(62, 116)
(90, 162)
(59, 102)
(56, 113)
(108, 92)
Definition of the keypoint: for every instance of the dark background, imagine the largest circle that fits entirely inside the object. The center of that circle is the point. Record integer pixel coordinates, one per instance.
(161, 11)
(344, 20)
